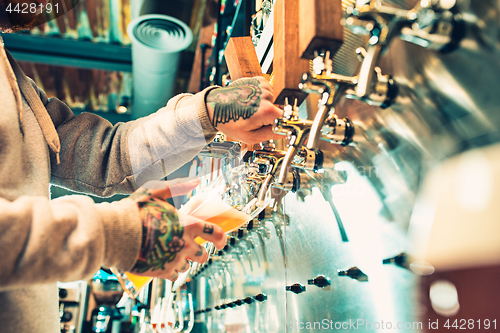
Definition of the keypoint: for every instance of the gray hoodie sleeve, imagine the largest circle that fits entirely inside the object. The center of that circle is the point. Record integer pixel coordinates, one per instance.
(65, 239)
(75, 235)
(102, 159)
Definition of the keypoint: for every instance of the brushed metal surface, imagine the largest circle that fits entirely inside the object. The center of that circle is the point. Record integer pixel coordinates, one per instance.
(237, 281)
(314, 247)
(446, 104)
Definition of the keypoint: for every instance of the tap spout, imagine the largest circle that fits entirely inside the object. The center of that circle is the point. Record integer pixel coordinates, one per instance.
(298, 131)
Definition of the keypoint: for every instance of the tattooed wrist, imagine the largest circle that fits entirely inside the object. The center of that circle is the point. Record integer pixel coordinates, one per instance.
(161, 235)
(141, 195)
(240, 99)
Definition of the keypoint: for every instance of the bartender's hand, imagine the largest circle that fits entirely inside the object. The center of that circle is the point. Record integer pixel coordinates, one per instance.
(168, 243)
(244, 110)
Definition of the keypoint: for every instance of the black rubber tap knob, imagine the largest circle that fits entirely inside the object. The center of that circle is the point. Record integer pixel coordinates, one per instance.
(320, 281)
(296, 288)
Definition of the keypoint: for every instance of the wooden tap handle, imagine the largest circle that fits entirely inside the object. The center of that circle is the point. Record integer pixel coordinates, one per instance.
(288, 66)
(320, 27)
(242, 61)
(241, 58)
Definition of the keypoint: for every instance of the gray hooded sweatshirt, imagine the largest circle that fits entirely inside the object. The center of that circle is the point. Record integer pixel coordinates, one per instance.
(43, 241)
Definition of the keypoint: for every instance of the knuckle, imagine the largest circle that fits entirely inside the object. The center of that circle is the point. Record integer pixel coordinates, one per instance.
(219, 233)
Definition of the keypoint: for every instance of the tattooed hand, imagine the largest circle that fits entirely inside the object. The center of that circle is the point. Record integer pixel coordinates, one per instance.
(168, 239)
(244, 110)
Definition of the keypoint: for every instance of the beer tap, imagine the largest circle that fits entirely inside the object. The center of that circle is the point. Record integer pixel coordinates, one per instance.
(380, 23)
(268, 161)
(331, 87)
(288, 68)
(320, 44)
(241, 248)
(260, 228)
(279, 219)
(327, 195)
(429, 24)
(243, 63)
(326, 125)
(321, 36)
(434, 25)
(233, 249)
(297, 131)
(248, 244)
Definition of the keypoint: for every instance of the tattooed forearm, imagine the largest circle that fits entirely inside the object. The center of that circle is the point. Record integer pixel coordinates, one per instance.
(238, 100)
(208, 229)
(161, 238)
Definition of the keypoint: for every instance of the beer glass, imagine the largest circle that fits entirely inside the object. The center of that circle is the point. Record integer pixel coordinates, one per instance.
(229, 201)
(132, 284)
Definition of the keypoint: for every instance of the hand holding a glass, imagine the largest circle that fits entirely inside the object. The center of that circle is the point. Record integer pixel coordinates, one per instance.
(168, 239)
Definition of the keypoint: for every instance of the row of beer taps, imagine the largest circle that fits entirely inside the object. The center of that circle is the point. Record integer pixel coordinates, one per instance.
(433, 24)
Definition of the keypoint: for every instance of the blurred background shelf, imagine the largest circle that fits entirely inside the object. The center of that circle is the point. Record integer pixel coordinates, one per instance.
(84, 57)
(69, 52)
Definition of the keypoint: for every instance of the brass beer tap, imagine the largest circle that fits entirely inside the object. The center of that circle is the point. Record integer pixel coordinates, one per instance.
(297, 131)
(331, 87)
(429, 24)
(270, 160)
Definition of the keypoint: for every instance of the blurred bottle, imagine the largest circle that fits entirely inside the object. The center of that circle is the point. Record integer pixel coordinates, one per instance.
(82, 21)
(107, 292)
(115, 22)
